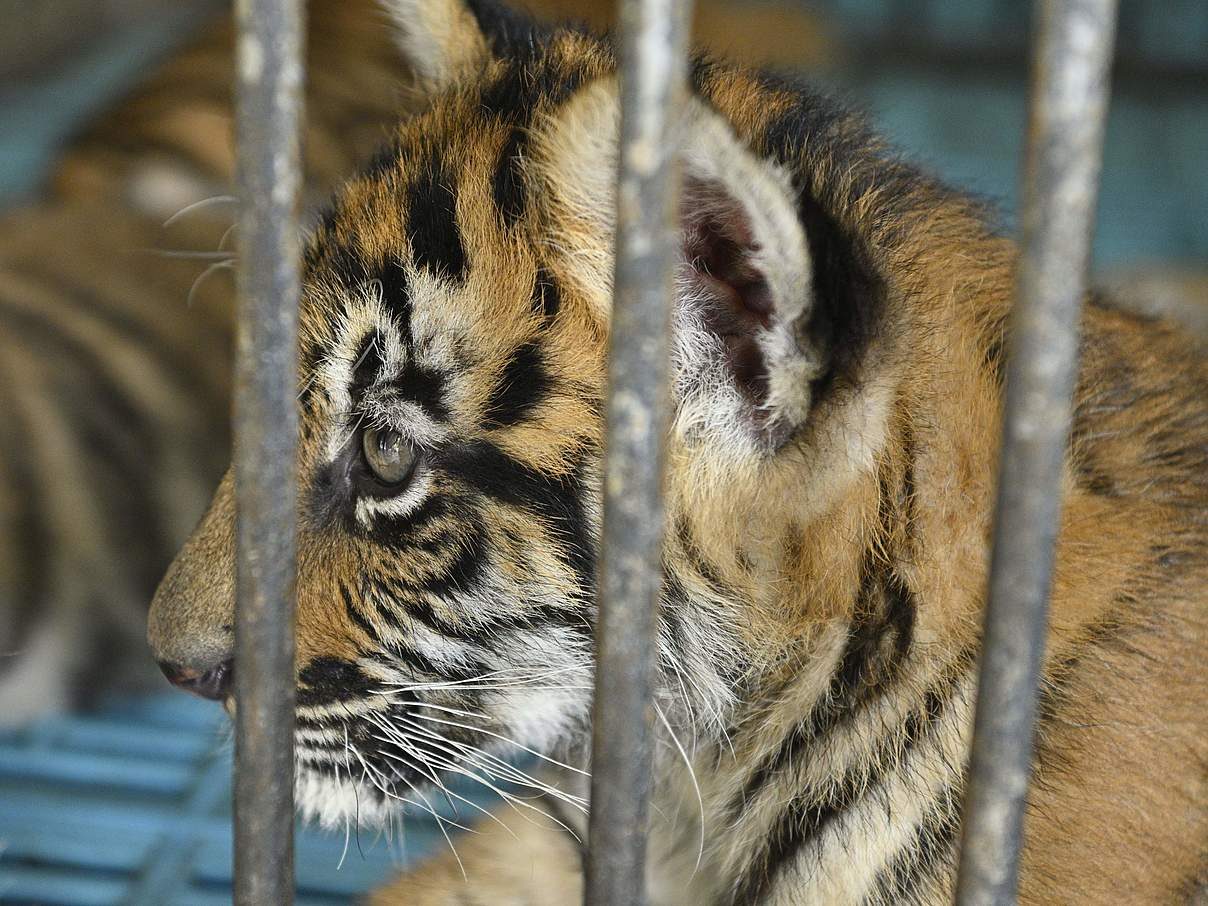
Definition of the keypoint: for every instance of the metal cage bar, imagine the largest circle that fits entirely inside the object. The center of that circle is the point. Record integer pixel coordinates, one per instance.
(268, 114)
(653, 80)
(1069, 96)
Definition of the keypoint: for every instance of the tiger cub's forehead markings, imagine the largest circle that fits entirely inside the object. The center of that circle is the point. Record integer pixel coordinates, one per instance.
(433, 231)
(407, 376)
(365, 344)
(515, 98)
(543, 71)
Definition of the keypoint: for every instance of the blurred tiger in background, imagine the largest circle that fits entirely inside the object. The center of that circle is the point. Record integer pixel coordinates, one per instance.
(115, 340)
(116, 311)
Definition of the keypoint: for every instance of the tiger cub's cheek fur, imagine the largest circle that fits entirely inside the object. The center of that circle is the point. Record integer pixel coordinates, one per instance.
(457, 297)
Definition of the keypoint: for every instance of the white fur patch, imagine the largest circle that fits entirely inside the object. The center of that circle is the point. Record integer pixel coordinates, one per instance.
(35, 681)
(438, 38)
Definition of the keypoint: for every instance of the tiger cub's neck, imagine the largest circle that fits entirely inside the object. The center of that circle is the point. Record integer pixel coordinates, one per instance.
(843, 785)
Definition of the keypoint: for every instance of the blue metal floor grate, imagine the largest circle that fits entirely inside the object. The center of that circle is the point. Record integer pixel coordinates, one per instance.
(131, 806)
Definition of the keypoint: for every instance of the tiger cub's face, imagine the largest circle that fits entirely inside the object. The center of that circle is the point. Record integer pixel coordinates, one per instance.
(454, 327)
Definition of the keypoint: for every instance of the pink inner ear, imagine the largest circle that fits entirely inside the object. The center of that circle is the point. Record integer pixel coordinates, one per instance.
(719, 246)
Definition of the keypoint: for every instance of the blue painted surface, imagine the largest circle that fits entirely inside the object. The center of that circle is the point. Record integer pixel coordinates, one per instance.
(969, 127)
(37, 116)
(131, 806)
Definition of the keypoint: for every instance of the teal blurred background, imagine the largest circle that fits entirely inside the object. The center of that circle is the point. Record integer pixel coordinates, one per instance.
(945, 79)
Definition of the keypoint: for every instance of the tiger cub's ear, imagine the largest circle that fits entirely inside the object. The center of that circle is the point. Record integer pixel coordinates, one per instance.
(747, 360)
(445, 40)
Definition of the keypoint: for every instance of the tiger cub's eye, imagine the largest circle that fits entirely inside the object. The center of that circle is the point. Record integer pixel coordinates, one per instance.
(388, 456)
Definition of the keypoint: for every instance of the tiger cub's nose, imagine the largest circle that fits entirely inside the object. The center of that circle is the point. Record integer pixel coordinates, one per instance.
(214, 683)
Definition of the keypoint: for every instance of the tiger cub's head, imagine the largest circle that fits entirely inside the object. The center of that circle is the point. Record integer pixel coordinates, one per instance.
(452, 375)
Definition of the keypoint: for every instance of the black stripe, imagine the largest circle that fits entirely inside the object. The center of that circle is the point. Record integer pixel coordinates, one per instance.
(807, 817)
(507, 188)
(995, 356)
(849, 294)
(816, 134)
(354, 614)
(909, 488)
(398, 532)
(812, 121)
(411, 656)
(463, 571)
(425, 386)
(558, 499)
(509, 33)
(547, 297)
(701, 566)
(415, 605)
(386, 161)
(515, 98)
(432, 223)
(671, 616)
(391, 593)
(520, 389)
(417, 660)
(461, 574)
(885, 606)
(325, 680)
(396, 294)
(367, 365)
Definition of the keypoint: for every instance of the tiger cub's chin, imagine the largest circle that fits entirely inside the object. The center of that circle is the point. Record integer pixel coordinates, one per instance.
(340, 802)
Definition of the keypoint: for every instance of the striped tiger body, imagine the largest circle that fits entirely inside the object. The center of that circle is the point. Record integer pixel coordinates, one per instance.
(170, 142)
(839, 336)
(115, 350)
(114, 400)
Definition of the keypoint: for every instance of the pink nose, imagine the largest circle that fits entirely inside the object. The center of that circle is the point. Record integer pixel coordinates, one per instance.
(214, 683)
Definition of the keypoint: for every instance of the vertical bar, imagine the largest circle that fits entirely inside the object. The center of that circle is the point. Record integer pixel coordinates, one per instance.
(268, 112)
(1068, 109)
(653, 53)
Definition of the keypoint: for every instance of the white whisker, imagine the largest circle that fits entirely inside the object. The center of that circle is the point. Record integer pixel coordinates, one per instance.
(198, 205)
(503, 738)
(497, 768)
(700, 854)
(201, 278)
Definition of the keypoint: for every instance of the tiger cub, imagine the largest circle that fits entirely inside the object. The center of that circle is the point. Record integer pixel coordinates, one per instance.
(79, 564)
(840, 321)
(115, 349)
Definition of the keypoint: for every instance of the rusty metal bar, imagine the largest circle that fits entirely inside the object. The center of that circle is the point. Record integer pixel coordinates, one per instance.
(653, 85)
(268, 118)
(1070, 88)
